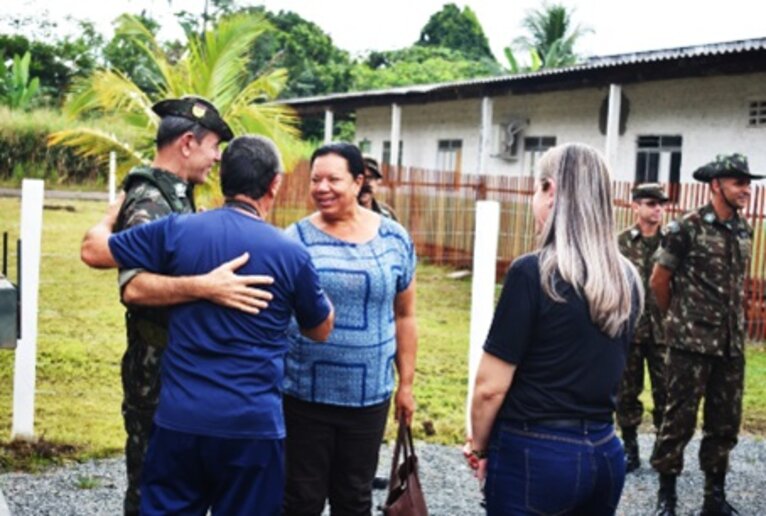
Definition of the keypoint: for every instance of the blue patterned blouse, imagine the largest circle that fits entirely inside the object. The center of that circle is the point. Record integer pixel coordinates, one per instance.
(354, 368)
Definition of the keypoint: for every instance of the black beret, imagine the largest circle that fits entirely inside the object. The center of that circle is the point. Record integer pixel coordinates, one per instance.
(197, 110)
(725, 165)
(649, 191)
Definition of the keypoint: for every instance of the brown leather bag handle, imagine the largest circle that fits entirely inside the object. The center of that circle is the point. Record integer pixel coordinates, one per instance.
(403, 442)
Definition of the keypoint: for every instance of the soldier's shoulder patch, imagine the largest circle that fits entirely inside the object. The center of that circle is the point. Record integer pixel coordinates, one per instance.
(634, 233)
(673, 227)
(709, 218)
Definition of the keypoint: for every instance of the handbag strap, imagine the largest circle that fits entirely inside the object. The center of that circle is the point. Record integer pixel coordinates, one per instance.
(404, 444)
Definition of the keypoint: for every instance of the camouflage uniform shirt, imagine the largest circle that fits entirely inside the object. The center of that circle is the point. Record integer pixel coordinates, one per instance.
(145, 201)
(709, 259)
(640, 251)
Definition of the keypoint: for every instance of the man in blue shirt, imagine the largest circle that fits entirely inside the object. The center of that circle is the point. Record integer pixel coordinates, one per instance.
(218, 437)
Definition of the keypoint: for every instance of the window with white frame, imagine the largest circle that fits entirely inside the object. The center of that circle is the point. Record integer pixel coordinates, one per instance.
(756, 113)
(534, 148)
(448, 155)
(658, 158)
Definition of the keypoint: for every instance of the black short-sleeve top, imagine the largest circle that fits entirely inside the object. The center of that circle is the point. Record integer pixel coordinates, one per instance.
(566, 367)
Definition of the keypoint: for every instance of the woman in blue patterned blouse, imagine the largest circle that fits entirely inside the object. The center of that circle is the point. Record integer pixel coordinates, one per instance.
(337, 394)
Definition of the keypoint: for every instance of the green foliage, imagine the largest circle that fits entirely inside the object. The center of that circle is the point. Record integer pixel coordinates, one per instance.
(550, 40)
(214, 67)
(88, 482)
(314, 64)
(457, 30)
(18, 87)
(57, 64)
(123, 53)
(24, 151)
(419, 65)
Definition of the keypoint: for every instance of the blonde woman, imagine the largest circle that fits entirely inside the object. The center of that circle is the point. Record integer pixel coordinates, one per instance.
(543, 436)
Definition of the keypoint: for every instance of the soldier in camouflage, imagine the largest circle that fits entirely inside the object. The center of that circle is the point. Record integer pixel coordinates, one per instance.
(638, 244)
(699, 280)
(188, 138)
(372, 177)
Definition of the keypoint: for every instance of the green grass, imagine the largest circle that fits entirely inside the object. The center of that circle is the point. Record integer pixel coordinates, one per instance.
(81, 340)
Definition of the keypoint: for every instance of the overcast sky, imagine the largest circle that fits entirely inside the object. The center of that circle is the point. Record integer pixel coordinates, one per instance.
(358, 25)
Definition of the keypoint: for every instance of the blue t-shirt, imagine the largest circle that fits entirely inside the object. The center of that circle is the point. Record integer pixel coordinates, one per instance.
(222, 370)
(567, 368)
(354, 368)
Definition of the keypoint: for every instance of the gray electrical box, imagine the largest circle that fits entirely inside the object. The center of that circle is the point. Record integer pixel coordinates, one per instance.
(9, 314)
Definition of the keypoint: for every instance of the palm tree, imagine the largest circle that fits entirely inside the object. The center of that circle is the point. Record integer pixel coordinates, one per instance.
(214, 66)
(550, 40)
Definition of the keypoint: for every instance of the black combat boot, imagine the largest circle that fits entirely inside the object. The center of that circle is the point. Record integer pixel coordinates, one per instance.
(666, 496)
(715, 503)
(630, 442)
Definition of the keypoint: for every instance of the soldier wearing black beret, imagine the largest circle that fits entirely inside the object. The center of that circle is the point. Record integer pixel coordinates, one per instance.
(189, 133)
(699, 280)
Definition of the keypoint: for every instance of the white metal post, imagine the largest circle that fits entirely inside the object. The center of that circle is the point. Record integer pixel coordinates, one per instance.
(482, 289)
(328, 125)
(32, 193)
(396, 133)
(112, 176)
(613, 126)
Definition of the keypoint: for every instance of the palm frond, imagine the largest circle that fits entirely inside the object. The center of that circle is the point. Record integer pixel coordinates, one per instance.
(98, 144)
(265, 87)
(219, 58)
(133, 28)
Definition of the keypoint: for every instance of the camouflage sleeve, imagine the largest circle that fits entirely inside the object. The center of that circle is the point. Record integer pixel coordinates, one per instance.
(622, 242)
(146, 209)
(147, 205)
(675, 245)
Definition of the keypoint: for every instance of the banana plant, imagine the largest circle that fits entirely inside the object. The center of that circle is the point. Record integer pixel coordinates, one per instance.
(19, 88)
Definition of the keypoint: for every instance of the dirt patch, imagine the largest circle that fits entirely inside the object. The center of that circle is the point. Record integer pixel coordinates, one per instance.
(32, 456)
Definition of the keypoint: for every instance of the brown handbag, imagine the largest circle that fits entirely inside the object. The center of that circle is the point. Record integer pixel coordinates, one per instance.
(405, 495)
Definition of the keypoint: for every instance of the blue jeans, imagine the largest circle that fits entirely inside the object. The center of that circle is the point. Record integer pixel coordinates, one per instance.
(537, 469)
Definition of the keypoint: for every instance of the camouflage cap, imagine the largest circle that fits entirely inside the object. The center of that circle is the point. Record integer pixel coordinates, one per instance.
(649, 191)
(725, 165)
(371, 164)
(197, 110)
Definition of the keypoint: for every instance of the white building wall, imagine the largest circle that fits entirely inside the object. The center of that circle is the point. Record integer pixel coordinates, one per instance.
(710, 114)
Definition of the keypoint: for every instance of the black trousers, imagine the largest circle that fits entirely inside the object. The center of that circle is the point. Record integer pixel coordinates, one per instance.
(331, 452)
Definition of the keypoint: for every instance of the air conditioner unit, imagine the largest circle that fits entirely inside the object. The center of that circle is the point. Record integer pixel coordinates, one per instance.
(507, 137)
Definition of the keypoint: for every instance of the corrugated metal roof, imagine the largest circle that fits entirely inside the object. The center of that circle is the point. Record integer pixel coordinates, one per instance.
(593, 63)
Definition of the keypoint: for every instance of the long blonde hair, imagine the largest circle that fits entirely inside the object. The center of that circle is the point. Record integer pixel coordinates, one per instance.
(578, 239)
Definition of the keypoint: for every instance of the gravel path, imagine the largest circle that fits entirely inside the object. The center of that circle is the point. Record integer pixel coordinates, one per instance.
(95, 488)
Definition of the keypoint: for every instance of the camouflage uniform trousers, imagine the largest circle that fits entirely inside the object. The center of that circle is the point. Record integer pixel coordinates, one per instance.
(141, 389)
(630, 410)
(690, 376)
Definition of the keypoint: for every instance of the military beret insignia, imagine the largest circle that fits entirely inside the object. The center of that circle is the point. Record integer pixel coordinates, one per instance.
(198, 110)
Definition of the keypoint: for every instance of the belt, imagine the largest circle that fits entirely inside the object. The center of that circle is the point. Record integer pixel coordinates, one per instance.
(570, 423)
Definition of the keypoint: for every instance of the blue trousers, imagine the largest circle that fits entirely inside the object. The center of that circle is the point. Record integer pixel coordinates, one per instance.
(187, 474)
(536, 469)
